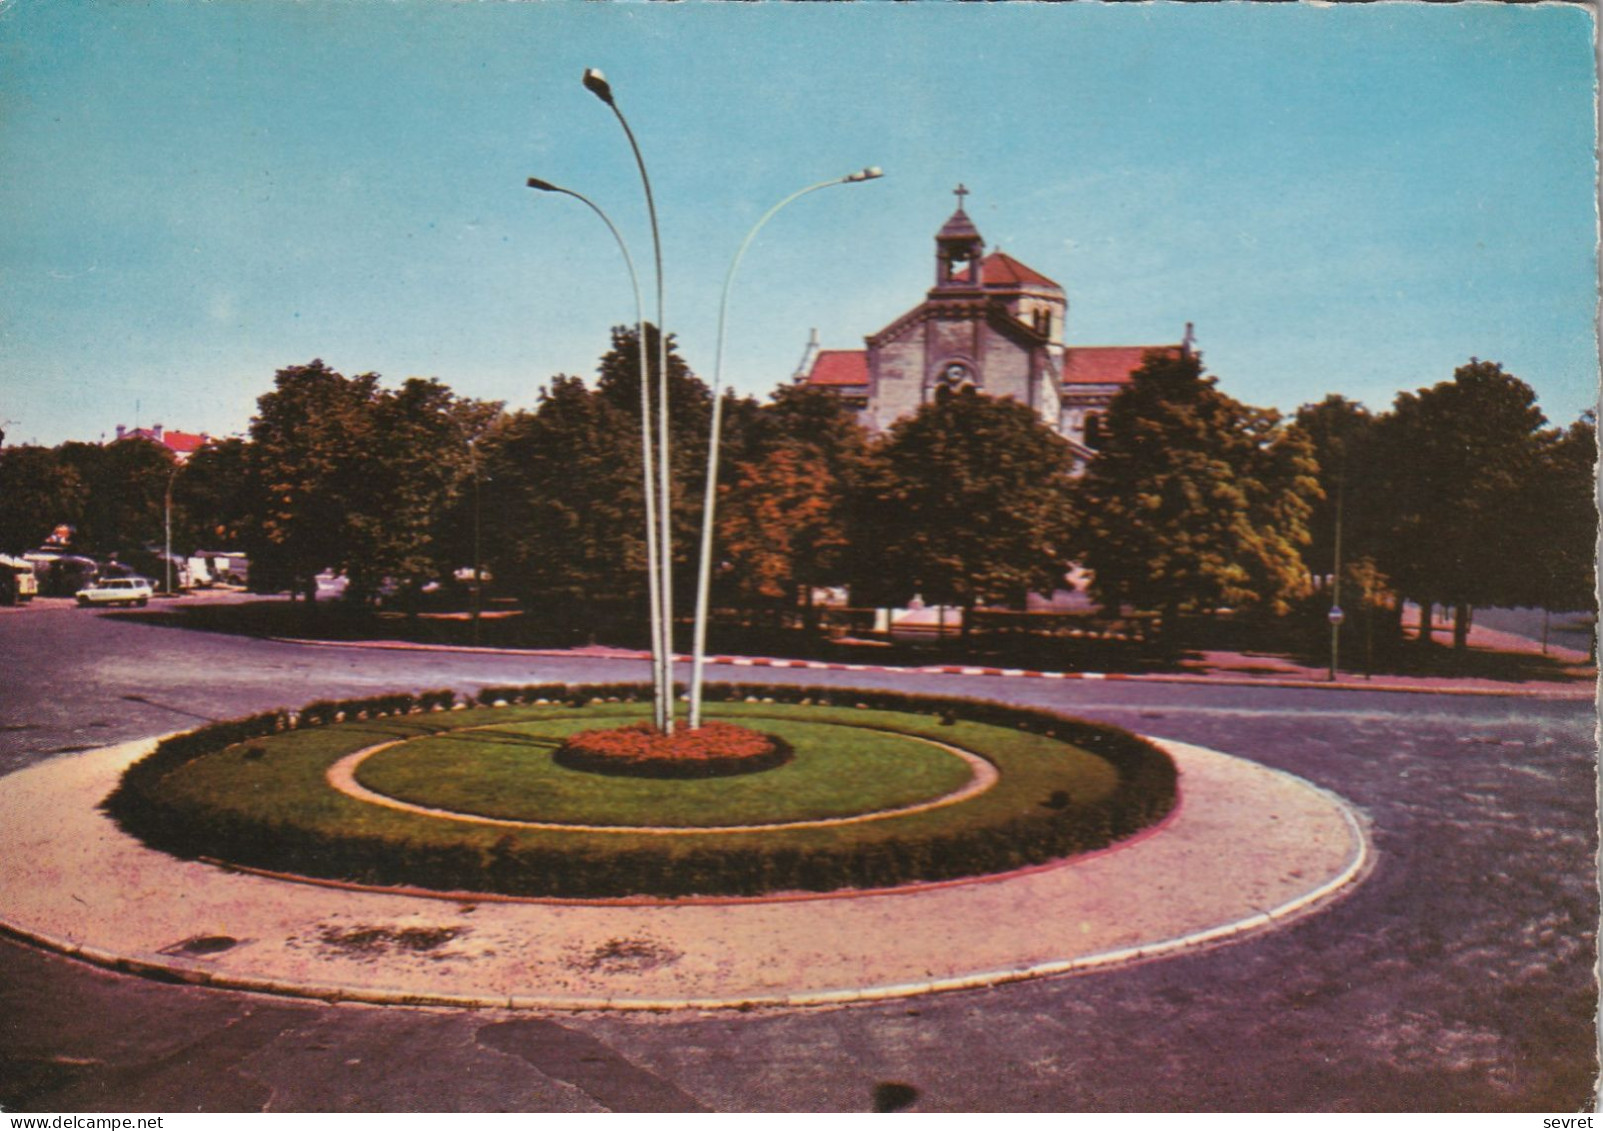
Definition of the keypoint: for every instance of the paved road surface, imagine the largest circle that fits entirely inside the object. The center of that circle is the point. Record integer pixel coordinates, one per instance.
(1458, 977)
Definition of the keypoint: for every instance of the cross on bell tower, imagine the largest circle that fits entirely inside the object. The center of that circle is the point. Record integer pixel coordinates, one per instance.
(958, 248)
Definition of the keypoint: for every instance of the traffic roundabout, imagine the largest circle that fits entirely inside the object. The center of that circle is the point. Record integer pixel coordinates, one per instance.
(422, 856)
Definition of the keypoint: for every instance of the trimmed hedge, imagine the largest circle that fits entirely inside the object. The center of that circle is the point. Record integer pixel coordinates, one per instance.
(1027, 819)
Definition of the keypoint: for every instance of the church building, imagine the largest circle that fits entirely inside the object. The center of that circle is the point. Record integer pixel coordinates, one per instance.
(992, 324)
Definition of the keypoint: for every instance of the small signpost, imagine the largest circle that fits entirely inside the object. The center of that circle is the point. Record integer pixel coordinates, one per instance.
(1336, 616)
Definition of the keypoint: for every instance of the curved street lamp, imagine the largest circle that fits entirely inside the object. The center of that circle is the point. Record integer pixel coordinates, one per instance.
(663, 689)
(596, 83)
(704, 575)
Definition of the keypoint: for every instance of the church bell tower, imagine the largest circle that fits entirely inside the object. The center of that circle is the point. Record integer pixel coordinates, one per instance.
(958, 250)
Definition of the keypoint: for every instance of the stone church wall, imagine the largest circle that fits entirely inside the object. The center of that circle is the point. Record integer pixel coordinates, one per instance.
(1007, 369)
(951, 339)
(898, 377)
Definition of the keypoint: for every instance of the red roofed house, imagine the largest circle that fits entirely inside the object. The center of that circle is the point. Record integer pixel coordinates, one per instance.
(992, 324)
(181, 444)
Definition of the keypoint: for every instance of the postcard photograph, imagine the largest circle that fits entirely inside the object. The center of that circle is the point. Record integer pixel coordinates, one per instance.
(778, 558)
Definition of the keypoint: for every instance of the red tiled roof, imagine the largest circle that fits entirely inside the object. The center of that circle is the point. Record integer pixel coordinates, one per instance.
(186, 442)
(1000, 269)
(839, 367)
(179, 443)
(1106, 365)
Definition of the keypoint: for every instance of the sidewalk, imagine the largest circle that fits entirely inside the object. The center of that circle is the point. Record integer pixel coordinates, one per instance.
(1572, 679)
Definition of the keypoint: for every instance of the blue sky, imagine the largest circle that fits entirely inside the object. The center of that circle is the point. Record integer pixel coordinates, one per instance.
(1350, 199)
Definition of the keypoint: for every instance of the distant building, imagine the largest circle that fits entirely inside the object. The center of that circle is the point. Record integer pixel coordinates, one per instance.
(181, 444)
(992, 324)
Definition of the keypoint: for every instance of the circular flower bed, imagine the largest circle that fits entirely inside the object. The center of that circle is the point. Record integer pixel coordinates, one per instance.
(640, 750)
(255, 792)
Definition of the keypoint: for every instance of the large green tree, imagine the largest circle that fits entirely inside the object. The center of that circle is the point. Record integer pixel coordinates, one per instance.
(311, 446)
(38, 491)
(781, 529)
(350, 476)
(1353, 501)
(1560, 520)
(564, 526)
(126, 484)
(967, 502)
(565, 494)
(689, 418)
(399, 526)
(1341, 435)
(1459, 459)
(784, 506)
(1195, 501)
(215, 497)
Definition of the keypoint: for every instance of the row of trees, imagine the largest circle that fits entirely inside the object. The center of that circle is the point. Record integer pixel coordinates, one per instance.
(1459, 495)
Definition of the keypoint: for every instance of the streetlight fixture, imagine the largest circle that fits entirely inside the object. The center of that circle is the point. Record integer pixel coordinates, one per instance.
(662, 684)
(596, 83)
(704, 575)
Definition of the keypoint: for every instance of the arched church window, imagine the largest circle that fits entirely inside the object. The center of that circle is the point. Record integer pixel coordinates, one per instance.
(954, 375)
(1093, 430)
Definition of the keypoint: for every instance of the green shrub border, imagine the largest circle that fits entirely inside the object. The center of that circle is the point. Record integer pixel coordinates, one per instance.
(1050, 828)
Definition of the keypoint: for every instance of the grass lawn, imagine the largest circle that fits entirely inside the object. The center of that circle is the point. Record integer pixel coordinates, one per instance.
(267, 802)
(507, 771)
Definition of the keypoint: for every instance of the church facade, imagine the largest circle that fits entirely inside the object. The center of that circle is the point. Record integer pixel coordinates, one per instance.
(991, 324)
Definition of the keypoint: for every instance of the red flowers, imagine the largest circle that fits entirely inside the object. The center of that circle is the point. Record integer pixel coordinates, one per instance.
(711, 750)
(643, 742)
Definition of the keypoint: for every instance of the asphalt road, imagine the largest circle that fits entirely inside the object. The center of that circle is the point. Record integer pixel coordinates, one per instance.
(1457, 977)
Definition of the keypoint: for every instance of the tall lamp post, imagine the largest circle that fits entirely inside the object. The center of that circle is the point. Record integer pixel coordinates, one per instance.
(596, 83)
(704, 574)
(478, 572)
(662, 685)
(167, 524)
(1336, 614)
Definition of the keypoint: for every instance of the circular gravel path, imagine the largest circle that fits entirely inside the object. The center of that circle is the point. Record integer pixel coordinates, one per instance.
(1246, 848)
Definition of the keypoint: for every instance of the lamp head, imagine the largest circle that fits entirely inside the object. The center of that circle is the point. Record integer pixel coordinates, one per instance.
(596, 83)
(872, 173)
(543, 186)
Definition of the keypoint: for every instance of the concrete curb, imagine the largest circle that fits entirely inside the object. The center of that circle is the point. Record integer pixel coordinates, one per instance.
(1575, 693)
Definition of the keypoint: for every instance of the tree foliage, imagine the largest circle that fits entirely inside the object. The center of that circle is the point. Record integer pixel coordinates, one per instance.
(352, 477)
(215, 499)
(1560, 521)
(38, 491)
(311, 440)
(1195, 500)
(784, 510)
(124, 503)
(1459, 460)
(966, 502)
(565, 491)
(1341, 434)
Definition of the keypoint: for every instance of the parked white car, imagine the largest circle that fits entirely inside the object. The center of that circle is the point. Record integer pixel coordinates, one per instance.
(117, 591)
